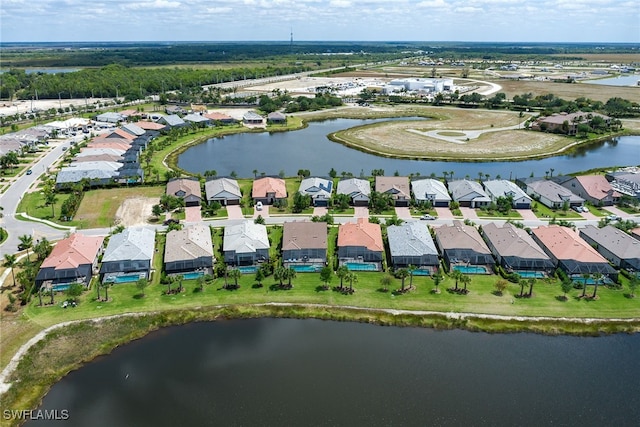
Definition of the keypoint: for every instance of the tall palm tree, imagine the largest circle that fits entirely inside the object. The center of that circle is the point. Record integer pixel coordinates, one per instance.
(411, 268)
(385, 282)
(456, 275)
(402, 274)
(342, 272)
(352, 278)
(10, 262)
(235, 274)
(597, 279)
(26, 242)
(532, 282)
(280, 274)
(465, 280)
(586, 277)
(290, 274)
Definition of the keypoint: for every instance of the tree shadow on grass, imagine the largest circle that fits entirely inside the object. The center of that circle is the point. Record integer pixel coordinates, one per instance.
(629, 296)
(562, 298)
(139, 296)
(322, 288)
(257, 286)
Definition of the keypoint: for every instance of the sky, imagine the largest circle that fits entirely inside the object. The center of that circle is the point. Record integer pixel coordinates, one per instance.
(605, 21)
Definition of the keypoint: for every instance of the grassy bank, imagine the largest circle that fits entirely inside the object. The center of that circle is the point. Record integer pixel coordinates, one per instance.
(69, 347)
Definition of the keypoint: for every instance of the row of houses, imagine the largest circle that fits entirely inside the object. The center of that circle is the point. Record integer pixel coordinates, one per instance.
(177, 117)
(129, 255)
(24, 140)
(572, 190)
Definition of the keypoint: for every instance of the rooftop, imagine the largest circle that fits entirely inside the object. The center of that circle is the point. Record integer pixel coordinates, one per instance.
(74, 251)
(304, 235)
(362, 233)
(565, 244)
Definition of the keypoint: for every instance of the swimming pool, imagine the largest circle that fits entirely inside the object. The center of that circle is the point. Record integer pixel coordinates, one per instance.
(59, 288)
(306, 268)
(248, 269)
(361, 266)
(422, 272)
(471, 269)
(193, 275)
(530, 274)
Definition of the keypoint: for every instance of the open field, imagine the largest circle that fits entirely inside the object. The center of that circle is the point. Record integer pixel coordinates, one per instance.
(569, 90)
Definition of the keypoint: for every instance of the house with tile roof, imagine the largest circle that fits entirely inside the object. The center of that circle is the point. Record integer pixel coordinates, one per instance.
(217, 117)
(110, 117)
(504, 188)
(462, 245)
(397, 187)
(304, 243)
(358, 190)
(226, 191)
(552, 195)
(515, 249)
(197, 119)
(189, 250)
(246, 243)
(150, 126)
(128, 256)
(468, 193)
(360, 242)
(618, 247)
(188, 189)
(567, 123)
(72, 260)
(431, 190)
(268, 189)
(172, 121)
(319, 189)
(570, 252)
(276, 117)
(594, 188)
(252, 118)
(411, 244)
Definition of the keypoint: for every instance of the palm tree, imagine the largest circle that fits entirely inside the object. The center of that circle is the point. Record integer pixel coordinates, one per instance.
(586, 277)
(437, 279)
(255, 173)
(10, 262)
(385, 282)
(352, 278)
(411, 268)
(26, 242)
(290, 274)
(456, 275)
(105, 285)
(280, 274)
(532, 282)
(402, 274)
(259, 277)
(465, 280)
(597, 279)
(235, 274)
(342, 272)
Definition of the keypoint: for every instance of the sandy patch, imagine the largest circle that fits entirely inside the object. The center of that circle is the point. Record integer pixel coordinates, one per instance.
(135, 211)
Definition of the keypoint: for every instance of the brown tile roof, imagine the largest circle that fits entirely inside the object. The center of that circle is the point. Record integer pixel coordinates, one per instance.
(73, 252)
(395, 184)
(363, 233)
(105, 144)
(565, 244)
(150, 125)
(596, 186)
(218, 116)
(263, 186)
(121, 133)
(304, 235)
(189, 186)
(636, 233)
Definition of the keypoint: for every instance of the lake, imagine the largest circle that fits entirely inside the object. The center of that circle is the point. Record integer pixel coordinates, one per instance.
(285, 372)
(310, 148)
(625, 80)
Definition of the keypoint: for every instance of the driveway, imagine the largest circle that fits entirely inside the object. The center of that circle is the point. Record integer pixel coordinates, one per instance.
(192, 214)
(361, 212)
(468, 213)
(527, 214)
(618, 212)
(320, 211)
(403, 213)
(235, 212)
(444, 213)
(264, 212)
(589, 215)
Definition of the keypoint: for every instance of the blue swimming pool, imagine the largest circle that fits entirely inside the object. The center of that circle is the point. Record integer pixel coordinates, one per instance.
(306, 268)
(60, 288)
(126, 278)
(248, 269)
(422, 272)
(531, 274)
(361, 266)
(193, 275)
(471, 269)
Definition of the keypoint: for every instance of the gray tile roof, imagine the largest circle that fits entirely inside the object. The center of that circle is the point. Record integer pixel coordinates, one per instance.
(172, 120)
(190, 243)
(353, 186)
(511, 241)
(552, 191)
(222, 187)
(613, 240)
(411, 239)
(316, 187)
(135, 243)
(467, 190)
(504, 188)
(461, 236)
(429, 189)
(246, 237)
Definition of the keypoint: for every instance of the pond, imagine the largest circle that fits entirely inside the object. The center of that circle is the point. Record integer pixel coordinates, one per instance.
(624, 80)
(287, 372)
(310, 148)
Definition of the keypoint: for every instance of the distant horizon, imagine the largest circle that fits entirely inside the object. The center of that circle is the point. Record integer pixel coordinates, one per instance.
(491, 21)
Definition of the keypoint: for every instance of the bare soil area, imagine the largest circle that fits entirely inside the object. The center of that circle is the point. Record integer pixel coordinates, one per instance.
(569, 90)
(135, 211)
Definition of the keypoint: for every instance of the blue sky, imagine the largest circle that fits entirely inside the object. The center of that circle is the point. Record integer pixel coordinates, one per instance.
(379, 20)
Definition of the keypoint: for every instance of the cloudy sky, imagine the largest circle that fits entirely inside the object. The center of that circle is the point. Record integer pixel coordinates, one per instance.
(379, 20)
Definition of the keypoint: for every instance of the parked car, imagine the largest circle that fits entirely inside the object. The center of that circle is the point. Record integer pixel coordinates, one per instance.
(427, 217)
(259, 206)
(613, 217)
(170, 221)
(29, 172)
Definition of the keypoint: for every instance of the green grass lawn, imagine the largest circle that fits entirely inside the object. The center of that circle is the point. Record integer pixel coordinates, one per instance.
(543, 212)
(512, 214)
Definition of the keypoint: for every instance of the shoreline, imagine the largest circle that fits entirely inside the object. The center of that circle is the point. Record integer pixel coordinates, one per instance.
(143, 323)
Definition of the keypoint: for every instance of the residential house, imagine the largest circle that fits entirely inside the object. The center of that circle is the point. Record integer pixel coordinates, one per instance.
(411, 244)
(594, 188)
(174, 110)
(197, 119)
(571, 253)
(221, 118)
(515, 249)
(431, 190)
(189, 250)
(553, 195)
(151, 126)
(133, 129)
(276, 117)
(187, 189)
(462, 246)
(226, 191)
(172, 121)
(268, 189)
(621, 249)
(252, 118)
(504, 188)
(318, 188)
(359, 190)
(469, 193)
(304, 243)
(246, 243)
(567, 123)
(397, 187)
(110, 117)
(128, 256)
(72, 260)
(360, 242)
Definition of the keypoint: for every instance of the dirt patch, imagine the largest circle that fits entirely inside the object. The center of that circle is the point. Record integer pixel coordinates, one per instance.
(135, 211)
(569, 90)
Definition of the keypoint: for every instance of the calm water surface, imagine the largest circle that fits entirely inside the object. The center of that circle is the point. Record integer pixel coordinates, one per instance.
(628, 80)
(286, 372)
(310, 148)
